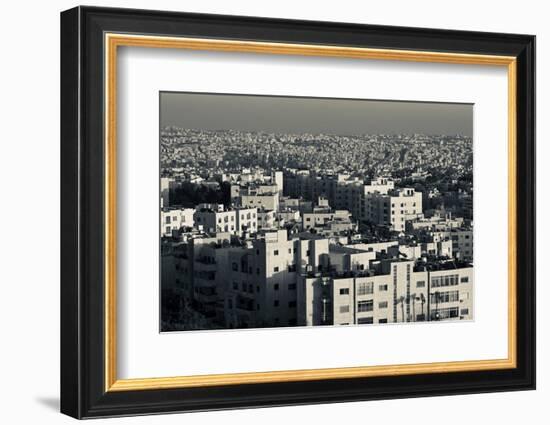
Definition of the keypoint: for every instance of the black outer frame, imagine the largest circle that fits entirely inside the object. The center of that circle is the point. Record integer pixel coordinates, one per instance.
(82, 212)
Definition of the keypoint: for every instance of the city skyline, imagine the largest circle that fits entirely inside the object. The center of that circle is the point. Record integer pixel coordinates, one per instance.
(293, 221)
(287, 114)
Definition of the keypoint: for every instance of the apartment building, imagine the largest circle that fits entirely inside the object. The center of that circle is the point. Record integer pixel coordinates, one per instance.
(175, 218)
(394, 208)
(396, 291)
(260, 200)
(247, 219)
(166, 185)
(263, 278)
(463, 243)
(216, 218)
(322, 215)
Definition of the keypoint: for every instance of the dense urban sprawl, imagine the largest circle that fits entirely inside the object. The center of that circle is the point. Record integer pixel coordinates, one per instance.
(263, 230)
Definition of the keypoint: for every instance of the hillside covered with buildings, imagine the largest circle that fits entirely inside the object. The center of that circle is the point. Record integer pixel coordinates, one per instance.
(266, 230)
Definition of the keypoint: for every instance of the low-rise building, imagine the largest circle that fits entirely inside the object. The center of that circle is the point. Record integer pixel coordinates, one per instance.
(322, 215)
(175, 218)
(215, 218)
(396, 292)
(394, 208)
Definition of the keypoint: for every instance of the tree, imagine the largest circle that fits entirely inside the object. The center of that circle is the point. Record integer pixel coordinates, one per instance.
(401, 300)
(413, 298)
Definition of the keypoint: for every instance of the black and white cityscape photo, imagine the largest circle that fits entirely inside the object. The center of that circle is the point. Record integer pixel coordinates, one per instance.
(289, 211)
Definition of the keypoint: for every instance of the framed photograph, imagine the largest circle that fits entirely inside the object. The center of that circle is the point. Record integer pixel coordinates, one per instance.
(261, 212)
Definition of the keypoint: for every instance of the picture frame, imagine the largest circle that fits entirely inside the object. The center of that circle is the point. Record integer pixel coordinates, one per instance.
(90, 41)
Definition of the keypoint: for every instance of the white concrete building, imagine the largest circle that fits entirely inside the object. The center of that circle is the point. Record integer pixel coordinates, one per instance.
(166, 184)
(174, 219)
(267, 219)
(396, 293)
(247, 220)
(265, 200)
(320, 216)
(215, 218)
(394, 208)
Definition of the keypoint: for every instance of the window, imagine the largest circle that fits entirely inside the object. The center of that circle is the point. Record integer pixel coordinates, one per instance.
(344, 309)
(307, 253)
(275, 269)
(382, 320)
(344, 291)
(235, 286)
(444, 297)
(276, 252)
(292, 286)
(420, 284)
(235, 267)
(167, 229)
(464, 312)
(365, 288)
(365, 321)
(382, 288)
(244, 286)
(167, 219)
(383, 304)
(363, 306)
(292, 304)
(230, 303)
(276, 287)
(444, 313)
(276, 303)
(439, 281)
(464, 279)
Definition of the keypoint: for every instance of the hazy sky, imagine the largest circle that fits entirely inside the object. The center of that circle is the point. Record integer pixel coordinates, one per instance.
(278, 114)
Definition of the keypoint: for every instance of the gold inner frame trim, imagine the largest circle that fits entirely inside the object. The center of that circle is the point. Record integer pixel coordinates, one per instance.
(113, 41)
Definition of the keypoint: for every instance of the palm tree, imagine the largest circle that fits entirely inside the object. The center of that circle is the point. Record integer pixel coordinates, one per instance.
(437, 295)
(413, 298)
(401, 300)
